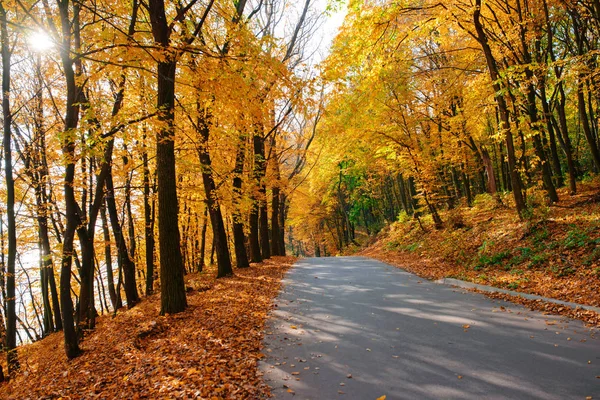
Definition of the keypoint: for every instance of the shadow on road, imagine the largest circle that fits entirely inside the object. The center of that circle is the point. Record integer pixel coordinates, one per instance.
(355, 328)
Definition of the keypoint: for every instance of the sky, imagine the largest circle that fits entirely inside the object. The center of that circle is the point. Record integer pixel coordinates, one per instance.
(323, 33)
(329, 28)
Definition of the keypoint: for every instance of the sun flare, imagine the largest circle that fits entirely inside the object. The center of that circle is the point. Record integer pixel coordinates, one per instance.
(40, 41)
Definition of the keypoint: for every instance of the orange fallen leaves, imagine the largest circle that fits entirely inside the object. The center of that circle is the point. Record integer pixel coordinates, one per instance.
(211, 350)
(560, 269)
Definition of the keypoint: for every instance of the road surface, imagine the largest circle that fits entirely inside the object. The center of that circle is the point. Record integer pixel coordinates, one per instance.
(355, 328)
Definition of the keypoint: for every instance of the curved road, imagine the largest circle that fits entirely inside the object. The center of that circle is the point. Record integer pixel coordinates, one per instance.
(355, 328)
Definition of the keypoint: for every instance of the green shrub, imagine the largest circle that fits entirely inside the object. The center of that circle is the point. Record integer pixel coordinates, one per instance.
(412, 247)
(538, 259)
(403, 217)
(576, 238)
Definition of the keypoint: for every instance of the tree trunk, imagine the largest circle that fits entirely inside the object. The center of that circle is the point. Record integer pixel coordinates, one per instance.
(148, 223)
(214, 209)
(239, 238)
(552, 136)
(283, 207)
(72, 211)
(537, 141)
(255, 255)
(112, 293)
(131, 293)
(172, 286)
(502, 108)
(10, 299)
(201, 262)
(585, 123)
(566, 141)
(275, 208)
(260, 166)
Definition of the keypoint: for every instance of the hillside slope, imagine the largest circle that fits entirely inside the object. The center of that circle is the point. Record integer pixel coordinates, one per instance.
(553, 253)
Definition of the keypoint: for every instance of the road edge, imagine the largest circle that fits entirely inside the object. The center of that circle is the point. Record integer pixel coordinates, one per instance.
(492, 289)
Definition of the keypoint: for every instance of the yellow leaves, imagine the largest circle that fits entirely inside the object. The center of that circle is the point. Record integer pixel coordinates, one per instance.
(382, 397)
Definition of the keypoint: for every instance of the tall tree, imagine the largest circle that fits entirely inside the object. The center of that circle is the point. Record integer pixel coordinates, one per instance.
(10, 299)
(172, 290)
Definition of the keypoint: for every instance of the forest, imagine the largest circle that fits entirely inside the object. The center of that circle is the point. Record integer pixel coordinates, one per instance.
(146, 141)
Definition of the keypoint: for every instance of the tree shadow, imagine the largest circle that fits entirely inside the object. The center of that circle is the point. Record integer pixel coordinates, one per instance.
(407, 338)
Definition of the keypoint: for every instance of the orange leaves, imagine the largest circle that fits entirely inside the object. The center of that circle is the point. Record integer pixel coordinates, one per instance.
(541, 258)
(208, 351)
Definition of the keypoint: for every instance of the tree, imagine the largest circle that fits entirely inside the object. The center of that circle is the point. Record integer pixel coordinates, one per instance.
(11, 316)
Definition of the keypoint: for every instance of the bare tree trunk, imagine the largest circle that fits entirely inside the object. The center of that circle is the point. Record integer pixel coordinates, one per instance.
(112, 293)
(131, 293)
(259, 173)
(275, 208)
(201, 262)
(283, 207)
(148, 222)
(239, 238)
(172, 286)
(216, 217)
(10, 299)
(585, 123)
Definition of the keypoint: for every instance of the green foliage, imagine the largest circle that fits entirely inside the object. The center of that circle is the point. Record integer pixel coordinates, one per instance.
(578, 238)
(517, 272)
(592, 257)
(560, 272)
(403, 217)
(537, 260)
(392, 245)
(486, 260)
(541, 235)
(412, 247)
(396, 245)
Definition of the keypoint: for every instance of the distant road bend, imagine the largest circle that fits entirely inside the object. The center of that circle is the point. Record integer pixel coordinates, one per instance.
(356, 328)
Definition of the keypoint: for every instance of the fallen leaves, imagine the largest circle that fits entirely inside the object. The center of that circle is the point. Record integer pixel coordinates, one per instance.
(211, 350)
(568, 273)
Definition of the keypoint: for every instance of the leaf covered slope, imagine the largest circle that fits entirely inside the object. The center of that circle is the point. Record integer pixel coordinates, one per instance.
(555, 253)
(210, 350)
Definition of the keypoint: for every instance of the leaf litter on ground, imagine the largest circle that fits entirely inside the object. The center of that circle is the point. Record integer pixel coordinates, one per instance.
(211, 350)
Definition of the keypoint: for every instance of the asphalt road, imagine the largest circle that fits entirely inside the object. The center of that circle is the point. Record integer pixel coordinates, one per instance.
(355, 328)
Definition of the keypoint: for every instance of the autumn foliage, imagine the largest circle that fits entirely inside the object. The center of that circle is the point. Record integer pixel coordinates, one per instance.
(143, 141)
(209, 351)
